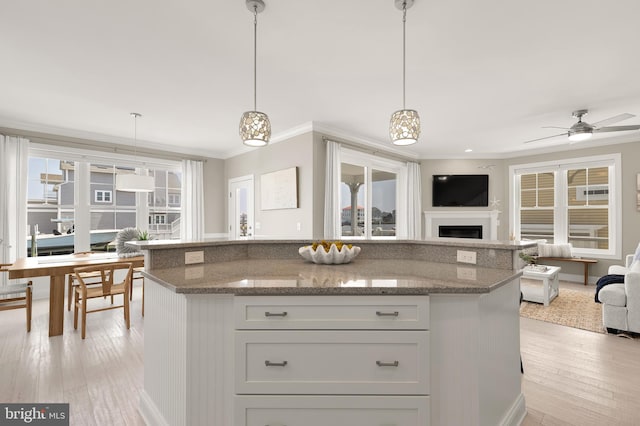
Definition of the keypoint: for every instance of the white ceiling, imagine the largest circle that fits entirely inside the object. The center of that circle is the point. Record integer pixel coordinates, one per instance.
(485, 75)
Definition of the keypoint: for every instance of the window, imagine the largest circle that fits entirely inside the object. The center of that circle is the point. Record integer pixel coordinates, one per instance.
(571, 201)
(157, 219)
(100, 210)
(164, 203)
(369, 196)
(102, 196)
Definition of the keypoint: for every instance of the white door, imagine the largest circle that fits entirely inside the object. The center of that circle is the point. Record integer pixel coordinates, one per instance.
(241, 208)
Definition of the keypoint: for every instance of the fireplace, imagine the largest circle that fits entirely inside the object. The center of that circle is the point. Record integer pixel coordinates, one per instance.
(460, 231)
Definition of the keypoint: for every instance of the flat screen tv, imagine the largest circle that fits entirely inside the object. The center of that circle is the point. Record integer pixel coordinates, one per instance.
(460, 190)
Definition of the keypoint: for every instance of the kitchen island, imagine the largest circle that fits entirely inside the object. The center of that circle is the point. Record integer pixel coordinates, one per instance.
(403, 335)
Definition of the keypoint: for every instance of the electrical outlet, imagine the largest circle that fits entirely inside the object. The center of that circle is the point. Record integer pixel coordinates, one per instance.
(466, 273)
(467, 256)
(193, 272)
(299, 226)
(191, 257)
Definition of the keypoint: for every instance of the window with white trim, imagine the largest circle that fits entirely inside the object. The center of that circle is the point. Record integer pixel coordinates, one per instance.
(102, 196)
(95, 210)
(372, 201)
(569, 201)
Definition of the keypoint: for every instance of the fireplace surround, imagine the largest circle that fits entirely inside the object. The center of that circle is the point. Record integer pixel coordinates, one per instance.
(486, 220)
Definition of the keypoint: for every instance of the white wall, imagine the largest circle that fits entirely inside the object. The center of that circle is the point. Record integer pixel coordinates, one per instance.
(214, 195)
(294, 152)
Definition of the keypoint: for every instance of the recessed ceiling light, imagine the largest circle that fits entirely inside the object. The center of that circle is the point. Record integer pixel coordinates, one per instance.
(468, 150)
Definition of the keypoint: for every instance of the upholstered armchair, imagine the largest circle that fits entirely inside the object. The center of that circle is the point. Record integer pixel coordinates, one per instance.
(621, 302)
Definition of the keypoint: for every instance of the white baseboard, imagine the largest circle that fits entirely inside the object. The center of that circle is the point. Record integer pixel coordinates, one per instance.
(577, 278)
(149, 412)
(219, 235)
(515, 416)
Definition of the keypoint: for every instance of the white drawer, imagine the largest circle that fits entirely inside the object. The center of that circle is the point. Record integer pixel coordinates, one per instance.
(332, 312)
(331, 411)
(332, 362)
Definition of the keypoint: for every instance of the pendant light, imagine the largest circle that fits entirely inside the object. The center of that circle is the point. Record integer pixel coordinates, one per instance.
(404, 127)
(255, 128)
(133, 182)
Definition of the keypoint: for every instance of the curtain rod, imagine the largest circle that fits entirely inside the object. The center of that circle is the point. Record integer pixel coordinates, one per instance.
(371, 150)
(67, 141)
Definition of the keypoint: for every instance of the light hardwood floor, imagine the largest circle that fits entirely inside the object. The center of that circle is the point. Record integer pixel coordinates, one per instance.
(572, 377)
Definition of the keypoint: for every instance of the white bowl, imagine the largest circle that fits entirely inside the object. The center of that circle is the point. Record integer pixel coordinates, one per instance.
(332, 257)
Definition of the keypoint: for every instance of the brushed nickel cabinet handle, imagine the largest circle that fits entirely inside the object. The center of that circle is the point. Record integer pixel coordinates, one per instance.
(388, 364)
(387, 314)
(275, 314)
(275, 364)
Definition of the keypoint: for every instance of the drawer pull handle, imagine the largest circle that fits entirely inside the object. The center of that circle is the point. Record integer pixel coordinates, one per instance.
(387, 314)
(387, 364)
(275, 364)
(275, 314)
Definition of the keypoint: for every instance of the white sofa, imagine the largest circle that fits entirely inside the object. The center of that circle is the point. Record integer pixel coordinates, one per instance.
(621, 302)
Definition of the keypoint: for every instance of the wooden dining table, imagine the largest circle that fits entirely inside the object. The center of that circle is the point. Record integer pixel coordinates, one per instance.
(57, 267)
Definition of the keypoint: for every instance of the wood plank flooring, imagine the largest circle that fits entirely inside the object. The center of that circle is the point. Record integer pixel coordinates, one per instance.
(572, 377)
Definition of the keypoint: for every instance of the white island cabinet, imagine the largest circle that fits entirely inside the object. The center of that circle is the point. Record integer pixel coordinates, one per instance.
(296, 360)
(273, 342)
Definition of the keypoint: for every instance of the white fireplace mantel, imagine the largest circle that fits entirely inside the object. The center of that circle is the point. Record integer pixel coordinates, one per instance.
(487, 219)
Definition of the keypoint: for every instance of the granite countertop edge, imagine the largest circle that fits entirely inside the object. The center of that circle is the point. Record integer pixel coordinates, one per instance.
(451, 242)
(331, 290)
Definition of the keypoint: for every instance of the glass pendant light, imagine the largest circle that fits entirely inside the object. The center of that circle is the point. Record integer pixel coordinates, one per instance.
(133, 182)
(255, 128)
(404, 127)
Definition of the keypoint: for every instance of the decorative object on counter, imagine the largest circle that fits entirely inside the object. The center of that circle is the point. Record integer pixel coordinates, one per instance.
(129, 234)
(330, 253)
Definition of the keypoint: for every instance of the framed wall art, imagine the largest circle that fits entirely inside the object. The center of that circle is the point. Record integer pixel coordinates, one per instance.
(279, 190)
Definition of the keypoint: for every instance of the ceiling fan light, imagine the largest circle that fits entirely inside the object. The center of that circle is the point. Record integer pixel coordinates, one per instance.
(579, 136)
(255, 128)
(404, 127)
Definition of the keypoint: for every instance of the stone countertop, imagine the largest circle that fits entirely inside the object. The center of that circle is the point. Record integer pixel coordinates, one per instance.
(448, 242)
(360, 277)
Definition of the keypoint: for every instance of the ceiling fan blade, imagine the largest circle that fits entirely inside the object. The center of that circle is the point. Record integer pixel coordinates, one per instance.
(612, 120)
(617, 128)
(546, 137)
(555, 127)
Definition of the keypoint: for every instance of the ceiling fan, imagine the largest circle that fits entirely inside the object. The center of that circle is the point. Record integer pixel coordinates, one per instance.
(582, 130)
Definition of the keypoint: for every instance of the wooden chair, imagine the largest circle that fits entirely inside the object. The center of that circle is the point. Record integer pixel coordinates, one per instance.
(83, 292)
(137, 275)
(19, 296)
(90, 278)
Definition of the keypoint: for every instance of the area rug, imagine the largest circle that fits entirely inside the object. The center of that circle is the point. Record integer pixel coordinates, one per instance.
(571, 308)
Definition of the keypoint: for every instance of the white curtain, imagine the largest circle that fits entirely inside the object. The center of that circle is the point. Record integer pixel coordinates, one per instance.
(332, 192)
(14, 157)
(192, 214)
(414, 202)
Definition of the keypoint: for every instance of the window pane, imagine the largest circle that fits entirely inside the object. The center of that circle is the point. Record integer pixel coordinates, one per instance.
(352, 190)
(48, 186)
(383, 203)
(537, 200)
(588, 187)
(537, 224)
(588, 228)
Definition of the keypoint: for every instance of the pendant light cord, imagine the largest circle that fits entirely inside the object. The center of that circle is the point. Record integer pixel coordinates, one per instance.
(255, 55)
(404, 50)
(135, 116)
